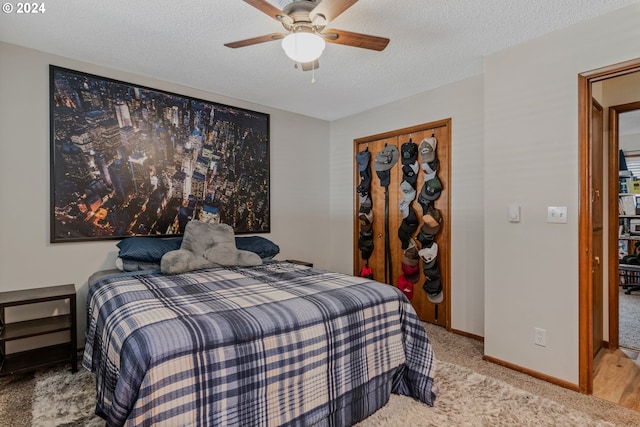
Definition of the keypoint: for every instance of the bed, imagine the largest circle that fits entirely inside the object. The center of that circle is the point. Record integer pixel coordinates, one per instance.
(272, 344)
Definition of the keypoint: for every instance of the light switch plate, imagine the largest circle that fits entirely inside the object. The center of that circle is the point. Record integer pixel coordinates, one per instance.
(514, 213)
(557, 214)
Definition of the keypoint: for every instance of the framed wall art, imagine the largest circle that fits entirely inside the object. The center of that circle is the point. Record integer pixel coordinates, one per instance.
(130, 160)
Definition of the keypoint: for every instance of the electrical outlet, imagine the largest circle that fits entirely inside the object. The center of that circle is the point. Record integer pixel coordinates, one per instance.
(540, 337)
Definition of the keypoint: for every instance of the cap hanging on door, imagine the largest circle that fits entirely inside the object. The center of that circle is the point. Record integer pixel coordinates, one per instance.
(366, 271)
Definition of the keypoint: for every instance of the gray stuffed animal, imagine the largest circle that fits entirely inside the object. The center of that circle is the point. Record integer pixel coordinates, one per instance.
(206, 245)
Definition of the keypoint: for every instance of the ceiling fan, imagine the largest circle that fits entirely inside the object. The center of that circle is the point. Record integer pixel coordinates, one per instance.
(305, 22)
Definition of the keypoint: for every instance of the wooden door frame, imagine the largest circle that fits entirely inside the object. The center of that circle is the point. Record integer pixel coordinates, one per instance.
(585, 293)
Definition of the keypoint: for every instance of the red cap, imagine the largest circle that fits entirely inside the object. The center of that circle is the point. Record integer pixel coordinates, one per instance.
(366, 271)
(405, 286)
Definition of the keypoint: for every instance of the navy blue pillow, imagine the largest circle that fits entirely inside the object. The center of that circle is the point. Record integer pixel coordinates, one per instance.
(147, 249)
(265, 248)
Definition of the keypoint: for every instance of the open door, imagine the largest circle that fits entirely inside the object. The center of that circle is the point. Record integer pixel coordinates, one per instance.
(597, 156)
(614, 146)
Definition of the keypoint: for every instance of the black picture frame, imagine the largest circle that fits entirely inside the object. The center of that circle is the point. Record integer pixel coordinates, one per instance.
(129, 160)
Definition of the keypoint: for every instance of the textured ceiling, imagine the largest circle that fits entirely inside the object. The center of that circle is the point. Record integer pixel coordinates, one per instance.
(433, 43)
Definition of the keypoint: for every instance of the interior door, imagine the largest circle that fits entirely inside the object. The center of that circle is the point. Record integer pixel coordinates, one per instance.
(614, 146)
(597, 227)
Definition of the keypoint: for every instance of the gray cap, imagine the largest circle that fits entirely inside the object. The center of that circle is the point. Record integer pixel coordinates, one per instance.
(408, 192)
(386, 158)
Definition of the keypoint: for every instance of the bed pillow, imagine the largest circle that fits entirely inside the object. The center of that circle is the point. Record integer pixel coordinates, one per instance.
(206, 245)
(147, 249)
(265, 248)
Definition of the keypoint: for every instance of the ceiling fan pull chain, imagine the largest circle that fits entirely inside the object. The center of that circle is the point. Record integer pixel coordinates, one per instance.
(313, 72)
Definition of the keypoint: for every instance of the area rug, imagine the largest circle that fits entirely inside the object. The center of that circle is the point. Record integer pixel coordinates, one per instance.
(629, 320)
(465, 398)
(61, 398)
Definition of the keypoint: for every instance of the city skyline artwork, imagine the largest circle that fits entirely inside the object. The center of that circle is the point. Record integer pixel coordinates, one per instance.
(127, 160)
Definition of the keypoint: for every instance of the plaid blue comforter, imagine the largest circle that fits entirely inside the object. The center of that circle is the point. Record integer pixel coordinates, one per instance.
(277, 344)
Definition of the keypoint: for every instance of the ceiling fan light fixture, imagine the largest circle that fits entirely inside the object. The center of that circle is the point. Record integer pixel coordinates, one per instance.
(303, 46)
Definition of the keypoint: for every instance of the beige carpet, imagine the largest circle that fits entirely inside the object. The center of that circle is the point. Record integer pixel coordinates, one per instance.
(629, 320)
(465, 398)
(468, 353)
(472, 392)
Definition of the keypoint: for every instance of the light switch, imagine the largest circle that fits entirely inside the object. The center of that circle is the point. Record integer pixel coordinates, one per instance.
(557, 214)
(514, 213)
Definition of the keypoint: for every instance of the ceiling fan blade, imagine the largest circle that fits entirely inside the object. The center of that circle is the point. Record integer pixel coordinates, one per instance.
(331, 9)
(308, 66)
(255, 40)
(265, 7)
(355, 39)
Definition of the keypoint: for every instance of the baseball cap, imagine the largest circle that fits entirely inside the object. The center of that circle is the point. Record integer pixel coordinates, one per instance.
(408, 192)
(428, 149)
(431, 189)
(433, 288)
(386, 158)
(365, 202)
(409, 152)
(410, 255)
(425, 239)
(434, 214)
(429, 265)
(410, 270)
(432, 220)
(430, 168)
(362, 158)
(410, 172)
(430, 253)
(366, 217)
(405, 286)
(404, 208)
(432, 273)
(366, 272)
(423, 201)
(408, 226)
(412, 274)
(366, 247)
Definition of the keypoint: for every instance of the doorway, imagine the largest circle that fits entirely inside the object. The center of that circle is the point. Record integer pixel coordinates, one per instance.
(586, 296)
(616, 113)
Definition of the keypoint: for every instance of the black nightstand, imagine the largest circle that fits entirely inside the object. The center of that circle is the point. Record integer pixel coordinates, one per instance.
(41, 357)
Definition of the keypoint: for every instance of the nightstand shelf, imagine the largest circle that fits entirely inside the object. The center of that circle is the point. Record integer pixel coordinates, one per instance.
(30, 360)
(40, 357)
(35, 327)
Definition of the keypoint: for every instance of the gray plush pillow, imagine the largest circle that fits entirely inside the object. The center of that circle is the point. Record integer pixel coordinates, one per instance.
(206, 245)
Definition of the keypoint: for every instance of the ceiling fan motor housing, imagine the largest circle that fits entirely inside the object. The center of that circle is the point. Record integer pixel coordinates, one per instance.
(299, 12)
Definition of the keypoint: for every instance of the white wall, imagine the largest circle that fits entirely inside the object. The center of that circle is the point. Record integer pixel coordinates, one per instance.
(299, 180)
(462, 102)
(531, 157)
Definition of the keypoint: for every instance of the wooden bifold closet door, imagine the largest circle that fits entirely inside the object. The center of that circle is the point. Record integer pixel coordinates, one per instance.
(441, 130)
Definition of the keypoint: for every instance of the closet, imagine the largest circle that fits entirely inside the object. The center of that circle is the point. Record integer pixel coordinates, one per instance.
(386, 261)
